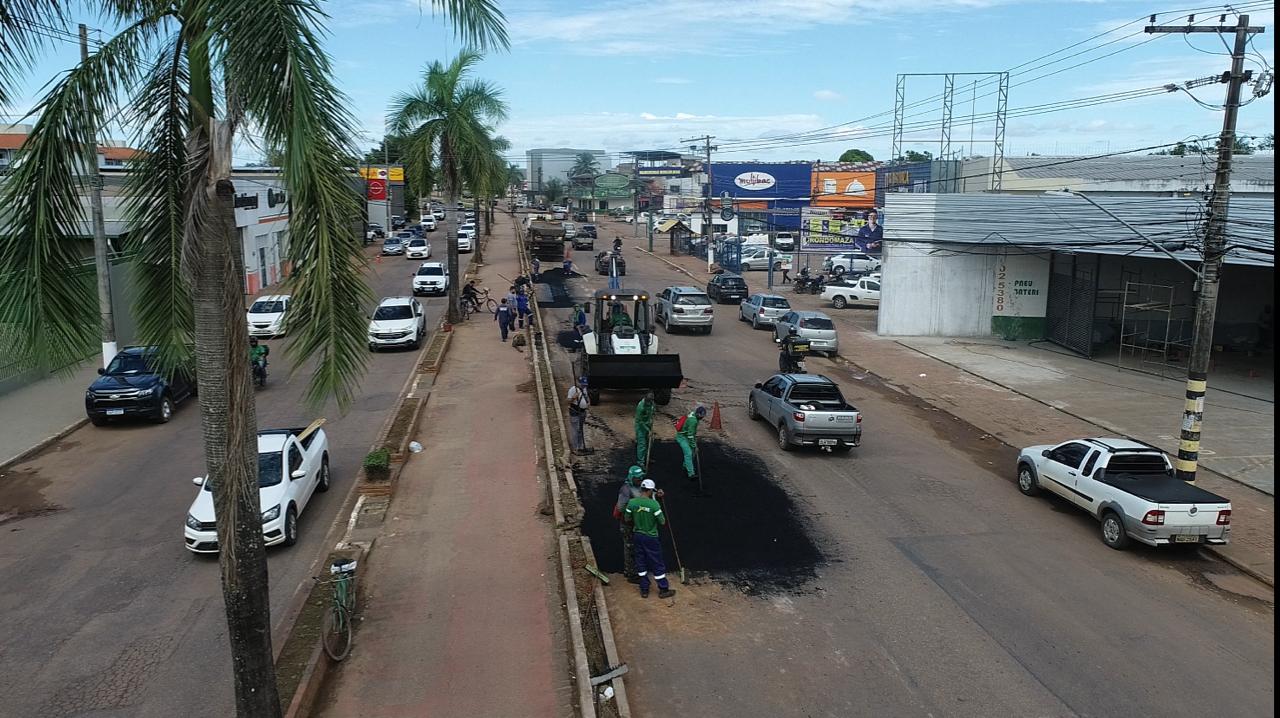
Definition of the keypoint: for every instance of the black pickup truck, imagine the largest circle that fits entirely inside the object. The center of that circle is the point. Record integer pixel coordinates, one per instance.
(132, 386)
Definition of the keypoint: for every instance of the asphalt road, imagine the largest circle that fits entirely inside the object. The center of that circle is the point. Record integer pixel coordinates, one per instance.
(104, 612)
(941, 590)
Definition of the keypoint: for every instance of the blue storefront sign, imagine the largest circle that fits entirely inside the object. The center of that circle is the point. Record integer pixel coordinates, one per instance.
(774, 190)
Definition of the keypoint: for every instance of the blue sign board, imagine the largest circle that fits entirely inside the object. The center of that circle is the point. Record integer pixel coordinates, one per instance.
(782, 188)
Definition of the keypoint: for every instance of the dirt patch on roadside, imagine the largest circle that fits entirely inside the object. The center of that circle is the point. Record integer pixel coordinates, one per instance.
(744, 530)
(22, 496)
(403, 421)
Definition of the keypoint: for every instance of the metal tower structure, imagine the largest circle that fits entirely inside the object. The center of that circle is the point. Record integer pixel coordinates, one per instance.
(948, 94)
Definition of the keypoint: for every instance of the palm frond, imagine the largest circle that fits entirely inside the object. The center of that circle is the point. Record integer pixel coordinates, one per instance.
(22, 37)
(285, 82)
(476, 22)
(156, 207)
(51, 306)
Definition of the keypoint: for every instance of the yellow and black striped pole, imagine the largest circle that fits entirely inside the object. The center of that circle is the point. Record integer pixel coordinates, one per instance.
(1192, 415)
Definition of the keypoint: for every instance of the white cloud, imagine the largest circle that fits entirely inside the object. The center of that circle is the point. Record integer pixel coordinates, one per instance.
(611, 27)
(827, 95)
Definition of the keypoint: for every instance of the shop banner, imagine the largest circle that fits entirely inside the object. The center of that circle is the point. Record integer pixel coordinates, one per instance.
(832, 232)
(377, 190)
(844, 189)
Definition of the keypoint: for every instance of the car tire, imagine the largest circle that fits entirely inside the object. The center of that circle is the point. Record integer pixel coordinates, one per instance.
(784, 438)
(1027, 482)
(662, 397)
(1112, 529)
(290, 526)
(97, 420)
(373, 348)
(752, 412)
(165, 412)
(706, 330)
(325, 477)
(755, 323)
(744, 267)
(839, 302)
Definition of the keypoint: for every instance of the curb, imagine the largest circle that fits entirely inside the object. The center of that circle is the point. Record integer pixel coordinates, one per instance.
(43, 444)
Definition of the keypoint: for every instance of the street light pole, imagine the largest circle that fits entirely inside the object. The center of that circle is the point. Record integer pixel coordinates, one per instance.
(102, 264)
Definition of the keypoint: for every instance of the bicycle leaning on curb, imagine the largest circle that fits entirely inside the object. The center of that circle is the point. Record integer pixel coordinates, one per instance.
(335, 630)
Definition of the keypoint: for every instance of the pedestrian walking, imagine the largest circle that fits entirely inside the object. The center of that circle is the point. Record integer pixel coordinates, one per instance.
(785, 271)
(630, 489)
(644, 514)
(502, 315)
(644, 426)
(522, 309)
(536, 268)
(687, 438)
(578, 400)
(580, 318)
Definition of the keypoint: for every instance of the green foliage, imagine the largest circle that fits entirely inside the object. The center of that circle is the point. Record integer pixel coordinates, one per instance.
(378, 459)
(553, 190)
(912, 156)
(584, 163)
(856, 155)
(1268, 142)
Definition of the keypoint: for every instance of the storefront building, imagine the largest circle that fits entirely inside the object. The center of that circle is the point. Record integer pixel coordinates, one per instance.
(765, 196)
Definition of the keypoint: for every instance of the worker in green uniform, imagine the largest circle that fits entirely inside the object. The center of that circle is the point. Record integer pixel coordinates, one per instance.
(630, 489)
(687, 438)
(644, 425)
(644, 515)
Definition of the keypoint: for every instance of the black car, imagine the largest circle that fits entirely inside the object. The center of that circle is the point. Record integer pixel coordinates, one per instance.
(727, 288)
(132, 386)
(602, 264)
(580, 216)
(397, 222)
(587, 230)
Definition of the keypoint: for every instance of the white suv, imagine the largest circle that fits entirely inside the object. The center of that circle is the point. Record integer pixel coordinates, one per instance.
(431, 278)
(428, 223)
(397, 322)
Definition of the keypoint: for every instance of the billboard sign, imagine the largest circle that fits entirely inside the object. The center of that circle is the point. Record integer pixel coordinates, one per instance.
(830, 232)
(611, 180)
(844, 189)
(762, 180)
(377, 190)
(395, 174)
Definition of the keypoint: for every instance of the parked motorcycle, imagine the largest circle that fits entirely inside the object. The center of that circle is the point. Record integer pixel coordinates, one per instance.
(811, 285)
(260, 373)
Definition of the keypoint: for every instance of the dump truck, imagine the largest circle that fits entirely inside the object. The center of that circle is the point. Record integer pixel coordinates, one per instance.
(545, 238)
(620, 348)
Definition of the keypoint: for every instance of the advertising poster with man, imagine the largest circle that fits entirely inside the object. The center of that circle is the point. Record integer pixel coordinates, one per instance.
(834, 231)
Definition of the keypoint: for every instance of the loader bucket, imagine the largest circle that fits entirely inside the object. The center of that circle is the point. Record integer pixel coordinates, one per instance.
(634, 371)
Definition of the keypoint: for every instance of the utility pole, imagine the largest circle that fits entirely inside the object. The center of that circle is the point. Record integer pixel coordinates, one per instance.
(635, 196)
(106, 316)
(1214, 243)
(706, 195)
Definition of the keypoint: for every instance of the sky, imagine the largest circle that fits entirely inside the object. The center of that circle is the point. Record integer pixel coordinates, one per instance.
(755, 74)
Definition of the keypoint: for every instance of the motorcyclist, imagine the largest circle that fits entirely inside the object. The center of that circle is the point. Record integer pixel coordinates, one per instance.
(258, 357)
(792, 349)
(617, 244)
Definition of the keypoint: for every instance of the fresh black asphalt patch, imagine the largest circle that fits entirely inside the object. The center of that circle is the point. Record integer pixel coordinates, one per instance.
(744, 530)
(555, 293)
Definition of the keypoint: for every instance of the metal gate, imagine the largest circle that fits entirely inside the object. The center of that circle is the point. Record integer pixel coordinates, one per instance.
(1073, 287)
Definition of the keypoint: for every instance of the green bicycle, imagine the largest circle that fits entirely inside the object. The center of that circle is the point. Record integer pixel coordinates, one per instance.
(335, 631)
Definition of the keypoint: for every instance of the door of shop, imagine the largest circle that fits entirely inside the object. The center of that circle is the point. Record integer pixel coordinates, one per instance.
(1073, 287)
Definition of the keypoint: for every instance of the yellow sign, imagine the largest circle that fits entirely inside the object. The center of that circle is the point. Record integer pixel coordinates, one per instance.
(396, 174)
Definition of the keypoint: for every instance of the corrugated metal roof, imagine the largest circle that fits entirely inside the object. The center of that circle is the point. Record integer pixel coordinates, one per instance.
(1069, 223)
(1195, 169)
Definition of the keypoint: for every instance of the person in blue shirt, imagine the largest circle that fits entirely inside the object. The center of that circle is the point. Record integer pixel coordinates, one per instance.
(871, 234)
(502, 315)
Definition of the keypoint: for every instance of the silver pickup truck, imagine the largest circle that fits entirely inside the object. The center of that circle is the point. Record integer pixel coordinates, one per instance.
(807, 410)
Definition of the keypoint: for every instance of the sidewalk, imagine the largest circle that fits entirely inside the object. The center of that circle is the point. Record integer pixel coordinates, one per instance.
(43, 409)
(461, 608)
(1019, 396)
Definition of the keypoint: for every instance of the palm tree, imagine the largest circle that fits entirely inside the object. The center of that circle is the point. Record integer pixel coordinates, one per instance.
(515, 178)
(553, 190)
(494, 178)
(445, 122)
(584, 163)
(158, 72)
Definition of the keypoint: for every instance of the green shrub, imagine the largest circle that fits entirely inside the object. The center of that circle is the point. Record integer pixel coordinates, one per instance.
(377, 464)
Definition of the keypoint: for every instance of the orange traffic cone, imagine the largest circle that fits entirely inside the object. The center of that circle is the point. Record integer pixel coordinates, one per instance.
(715, 417)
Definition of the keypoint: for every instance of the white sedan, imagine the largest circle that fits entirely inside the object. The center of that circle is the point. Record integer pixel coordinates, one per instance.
(861, 291)
(417, 248)
(266, 315)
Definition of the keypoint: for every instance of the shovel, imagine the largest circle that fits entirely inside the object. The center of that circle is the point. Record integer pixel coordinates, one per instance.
(684, 580)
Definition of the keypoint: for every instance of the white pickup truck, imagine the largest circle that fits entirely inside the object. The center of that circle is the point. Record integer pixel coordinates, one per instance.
(293, 465)
(1130, 488)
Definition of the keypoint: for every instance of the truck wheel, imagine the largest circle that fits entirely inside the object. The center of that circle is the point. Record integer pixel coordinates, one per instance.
(1113, 534)
(1027, 482)
(662, 397)
(752, 412)
(165, 412)
(839, 302)
(593, 396)
(784, 438)
(291, 526)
